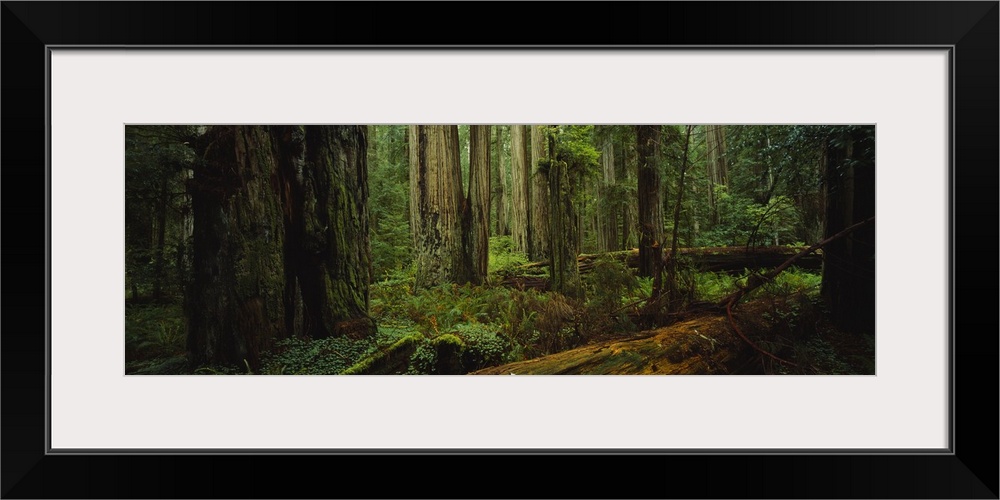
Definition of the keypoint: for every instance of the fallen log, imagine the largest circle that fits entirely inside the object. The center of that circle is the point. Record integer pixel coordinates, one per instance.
(716, 259)
(700, 346)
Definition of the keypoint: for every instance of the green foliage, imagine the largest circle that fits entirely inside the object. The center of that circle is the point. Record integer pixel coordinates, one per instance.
(611, 284)
(712, 287)
(389, 198)
(390, 296)
(329, 356)
(749, 223)
(503, 259)
(153, 332)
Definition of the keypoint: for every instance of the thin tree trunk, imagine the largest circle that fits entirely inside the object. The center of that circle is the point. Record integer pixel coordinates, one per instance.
(539, 196)
(521, 179)
(650, 199)
(673, 295)
(501, 189)
(607, 216)
(716, 168)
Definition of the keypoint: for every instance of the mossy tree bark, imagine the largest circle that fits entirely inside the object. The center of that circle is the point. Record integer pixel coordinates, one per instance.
(436, 204)
(477, 211)
(849, 263)
(280, 239)
(520, 210)
(234, 305)
(564, 225)
(539, 215)
(335, 267)
(502, 189)
(650, 199)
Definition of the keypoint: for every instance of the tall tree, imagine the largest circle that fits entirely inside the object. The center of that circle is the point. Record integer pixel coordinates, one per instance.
(607, 210)
(477, 215)
(539, 214)
(334, 270)
(673, 291)
(280, 239)
(234, 305)
(848, 285)
(436, 204)
(650, 200)
(570, 152)
(521, 196)
(715, 166)
(502, 189)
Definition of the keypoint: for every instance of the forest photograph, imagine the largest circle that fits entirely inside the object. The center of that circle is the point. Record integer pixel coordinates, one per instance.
(499, 249)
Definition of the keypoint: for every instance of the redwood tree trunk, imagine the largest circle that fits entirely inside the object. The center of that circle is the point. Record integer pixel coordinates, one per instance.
(539, 196)
(335, 268)
(478, 207)
(502, 189)
(436, 204)
(650, 199)
(234, 304)
(521, 196)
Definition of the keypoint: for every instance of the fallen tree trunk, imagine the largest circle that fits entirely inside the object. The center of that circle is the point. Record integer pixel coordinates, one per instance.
(716, 259)
(700, 346)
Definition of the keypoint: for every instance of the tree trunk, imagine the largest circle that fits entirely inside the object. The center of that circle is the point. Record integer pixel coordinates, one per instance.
(607, 215)
(673, 292)
(539, 196)
(234, 303)
(521, 199)
(335, 267)
(477, 218)
(650, 198)
(700, 346)
(564, 227)
(716, 168)
(502, 188)
(436, 204)
(849, 263)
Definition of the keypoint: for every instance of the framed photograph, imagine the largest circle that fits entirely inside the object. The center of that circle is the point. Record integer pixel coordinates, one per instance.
(104, 83)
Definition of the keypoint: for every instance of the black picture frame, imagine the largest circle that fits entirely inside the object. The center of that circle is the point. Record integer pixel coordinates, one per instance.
(970, 28)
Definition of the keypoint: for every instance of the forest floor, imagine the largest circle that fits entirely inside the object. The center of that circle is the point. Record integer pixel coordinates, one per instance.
(490, 329)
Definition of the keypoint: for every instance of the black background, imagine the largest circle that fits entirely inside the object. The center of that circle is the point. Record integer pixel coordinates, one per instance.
(972, 472)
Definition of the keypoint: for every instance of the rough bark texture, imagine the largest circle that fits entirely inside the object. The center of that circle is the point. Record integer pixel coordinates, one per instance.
(849, 263)
(478, 206)
(540, 244)
(502, 187)
(696, 347)
(234, 304)
(564, 228)
(436, 204)
(650, 198)
(521, 196)
(607, 213)
(716, 169)
(335, 267)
